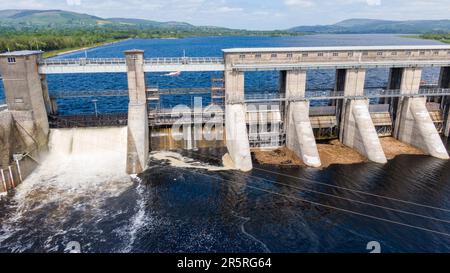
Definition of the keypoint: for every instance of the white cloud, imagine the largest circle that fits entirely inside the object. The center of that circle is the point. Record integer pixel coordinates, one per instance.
(299, 3)
(73, 2)
(374, 2)
(228, 9)
(252, 14)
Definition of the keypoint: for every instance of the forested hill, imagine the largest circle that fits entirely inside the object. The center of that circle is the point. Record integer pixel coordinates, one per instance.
(51, 30)
(54, 30)
(379, 26)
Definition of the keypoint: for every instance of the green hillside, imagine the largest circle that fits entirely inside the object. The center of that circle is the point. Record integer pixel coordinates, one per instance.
(46, 18)
(358, 26)
(56, 30)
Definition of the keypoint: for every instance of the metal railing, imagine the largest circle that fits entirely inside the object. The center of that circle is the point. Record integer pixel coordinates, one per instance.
(184, 91)
(258, 98)
(88, 93)
(62, 94)
(168, 117)
(122, 61)
(330, 95)
(280, 64)
(184, 61)
(88, 120)
(84, 61)
(435, 91)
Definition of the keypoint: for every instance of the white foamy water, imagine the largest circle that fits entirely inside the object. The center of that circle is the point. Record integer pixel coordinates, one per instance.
(84, 167)
(80, 161)
(180, 161)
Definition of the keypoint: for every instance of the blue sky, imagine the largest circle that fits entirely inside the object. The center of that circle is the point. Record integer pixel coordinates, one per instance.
(249, 14)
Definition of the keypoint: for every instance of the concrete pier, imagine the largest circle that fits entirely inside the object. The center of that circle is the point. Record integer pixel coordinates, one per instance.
(138, 130)
(357, 130)
(294, 84)
(417, 128)
(235, 121)
(237, 137)
(413, 122)
(299, 133)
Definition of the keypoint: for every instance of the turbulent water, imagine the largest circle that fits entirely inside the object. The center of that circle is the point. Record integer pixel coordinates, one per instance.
(187, 202)
(84, 167)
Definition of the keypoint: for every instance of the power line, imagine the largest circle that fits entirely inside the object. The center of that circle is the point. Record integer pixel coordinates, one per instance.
(357, 191)
(343, 188)
(328, 206)
(352, 200)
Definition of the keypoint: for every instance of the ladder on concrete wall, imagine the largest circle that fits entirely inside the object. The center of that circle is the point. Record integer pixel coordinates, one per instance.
(218, 91)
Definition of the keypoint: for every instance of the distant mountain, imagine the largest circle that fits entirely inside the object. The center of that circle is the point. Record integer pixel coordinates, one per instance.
(149, 23)
(60, 19)
(67, 19)
(47, 18)
(57, 19)
(379, 26)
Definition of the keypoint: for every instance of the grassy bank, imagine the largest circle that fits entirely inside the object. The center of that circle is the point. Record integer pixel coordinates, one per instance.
(444, 38)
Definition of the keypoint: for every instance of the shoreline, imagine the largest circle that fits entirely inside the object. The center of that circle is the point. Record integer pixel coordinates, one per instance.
(62, 52)
(423, 37)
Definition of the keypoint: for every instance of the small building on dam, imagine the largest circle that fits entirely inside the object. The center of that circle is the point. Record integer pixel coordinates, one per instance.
(405, 109)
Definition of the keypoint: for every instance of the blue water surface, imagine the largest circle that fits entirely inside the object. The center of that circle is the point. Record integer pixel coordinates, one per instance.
(259, 82)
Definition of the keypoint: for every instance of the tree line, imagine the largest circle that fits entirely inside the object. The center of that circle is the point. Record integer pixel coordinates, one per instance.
(57, 39)
(444, 37)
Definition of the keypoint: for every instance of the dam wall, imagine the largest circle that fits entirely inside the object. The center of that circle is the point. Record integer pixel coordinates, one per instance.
(347, 112)
(19, 151)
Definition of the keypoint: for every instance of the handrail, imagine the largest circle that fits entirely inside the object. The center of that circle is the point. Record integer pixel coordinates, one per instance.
(88, 93)
(61, 94)
(331, 94)
(122, 61)
(309, 95)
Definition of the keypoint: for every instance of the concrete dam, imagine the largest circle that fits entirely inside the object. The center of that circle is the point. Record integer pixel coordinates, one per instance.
(406, 109)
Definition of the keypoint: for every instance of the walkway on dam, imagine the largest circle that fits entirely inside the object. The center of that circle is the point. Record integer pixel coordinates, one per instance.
(118, 65)
(309, 95)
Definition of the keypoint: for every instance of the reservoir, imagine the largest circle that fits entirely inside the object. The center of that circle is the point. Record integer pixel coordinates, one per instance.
(187, 202)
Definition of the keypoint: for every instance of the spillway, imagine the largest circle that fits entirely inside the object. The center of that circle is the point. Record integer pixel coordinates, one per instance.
(82, 170)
